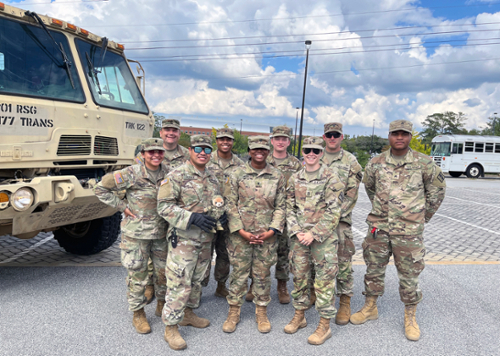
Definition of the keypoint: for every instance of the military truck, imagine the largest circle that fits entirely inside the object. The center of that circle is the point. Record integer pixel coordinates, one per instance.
(71, 110)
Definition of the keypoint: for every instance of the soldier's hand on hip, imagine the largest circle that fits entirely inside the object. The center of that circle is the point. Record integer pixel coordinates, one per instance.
(305, 238)
(204, 222)
(127, 212)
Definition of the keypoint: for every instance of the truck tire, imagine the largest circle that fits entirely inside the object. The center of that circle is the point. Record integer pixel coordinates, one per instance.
(473, 171)
(89, 237)
(455, 174)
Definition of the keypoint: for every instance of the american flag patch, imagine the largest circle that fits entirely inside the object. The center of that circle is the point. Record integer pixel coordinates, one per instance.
(165, 181)
(118, 178)
(138, 160)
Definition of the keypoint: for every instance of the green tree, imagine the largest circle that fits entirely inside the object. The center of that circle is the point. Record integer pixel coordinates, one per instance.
(441, 124)
(158, 119)
(492, 126)
(185, 140)
(417, 145)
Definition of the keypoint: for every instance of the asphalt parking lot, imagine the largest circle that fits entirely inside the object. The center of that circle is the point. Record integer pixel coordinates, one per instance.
(54, 303)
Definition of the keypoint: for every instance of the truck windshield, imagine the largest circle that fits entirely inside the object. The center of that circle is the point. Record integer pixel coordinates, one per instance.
(110, 80)
(31, 64)
(440, 149)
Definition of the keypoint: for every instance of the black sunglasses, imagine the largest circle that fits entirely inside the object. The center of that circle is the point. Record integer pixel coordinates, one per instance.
(198, 149)
(316, 151)
(333, 134)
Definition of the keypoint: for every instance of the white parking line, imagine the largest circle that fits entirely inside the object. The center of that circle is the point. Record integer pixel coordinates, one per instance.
(470, 201)
(472, 190)
(466, 223)
(22, 253)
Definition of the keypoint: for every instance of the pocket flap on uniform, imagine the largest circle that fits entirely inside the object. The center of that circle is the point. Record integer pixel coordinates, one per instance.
(418, 254)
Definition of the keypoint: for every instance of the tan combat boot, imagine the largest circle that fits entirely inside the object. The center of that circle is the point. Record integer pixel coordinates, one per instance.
(140, 322)
(312, 299)
(149, 293)
(322, 333)
(174, 338)
(298, 322)
(263, 324)
(190, 318)
(249, 296)
(159, 307)
(283, 295)
(412, 331)
(368, 312)
(233, 318)
(221, 290)
(344, 312)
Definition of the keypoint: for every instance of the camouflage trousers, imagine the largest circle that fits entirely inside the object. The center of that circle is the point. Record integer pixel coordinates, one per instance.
(249, 259)
(408, 252)
(324, 258)
(345, 279)
(150, 272)
(186, 268)
(283, 265)
(222, 266)
(135, 254)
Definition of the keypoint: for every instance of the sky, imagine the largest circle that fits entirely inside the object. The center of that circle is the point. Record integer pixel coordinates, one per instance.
(242, 63)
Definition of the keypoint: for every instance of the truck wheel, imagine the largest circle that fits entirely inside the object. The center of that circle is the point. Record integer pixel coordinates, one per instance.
(455, 174)
(89, 237)
(473, 171)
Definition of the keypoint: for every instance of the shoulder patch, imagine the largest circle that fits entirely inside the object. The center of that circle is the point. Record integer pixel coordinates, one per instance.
(138, 160)
(165, 181)
(118, 178)
(227, 180)
(439, 180)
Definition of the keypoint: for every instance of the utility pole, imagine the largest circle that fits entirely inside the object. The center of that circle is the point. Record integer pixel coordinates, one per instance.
(308, 45)
(373, 132)
(295, 139)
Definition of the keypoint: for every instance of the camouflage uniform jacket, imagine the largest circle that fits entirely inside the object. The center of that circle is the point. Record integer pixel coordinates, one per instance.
(349, 171)
(314, 206)
(141, 200)
(256, 202)
(224, 174)
(180, 157)
(288, 167)
(185, 191)
(404, 195)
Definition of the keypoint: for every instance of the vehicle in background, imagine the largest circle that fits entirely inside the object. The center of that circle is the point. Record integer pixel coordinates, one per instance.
(466, 154)
(70, 111)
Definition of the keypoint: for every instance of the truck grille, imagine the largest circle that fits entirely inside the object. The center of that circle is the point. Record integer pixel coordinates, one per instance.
(74, 145)
(438, 161)
(105, 146)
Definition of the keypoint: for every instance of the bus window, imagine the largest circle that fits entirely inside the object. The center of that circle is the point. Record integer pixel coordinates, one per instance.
(479, 147)
(488, 147)
(458, 148)
(440, 149)
(469, 147)
(497, 148)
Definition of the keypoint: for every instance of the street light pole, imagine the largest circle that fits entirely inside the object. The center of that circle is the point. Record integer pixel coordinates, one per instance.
(373, 132)
(295, 139)
(308, 45)
(494, 123)
(241, 125)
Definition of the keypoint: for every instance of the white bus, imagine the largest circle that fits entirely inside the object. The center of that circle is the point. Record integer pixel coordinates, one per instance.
(467, 154)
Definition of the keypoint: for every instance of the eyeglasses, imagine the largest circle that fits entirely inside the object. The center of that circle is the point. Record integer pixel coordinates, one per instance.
(316, 151)
(333, 134)
(198, 149)
(156, 152)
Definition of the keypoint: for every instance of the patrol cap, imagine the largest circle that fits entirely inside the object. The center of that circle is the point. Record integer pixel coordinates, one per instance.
(313, 142)
(201, 140)
(255, 142)
(152, 144)
(171, 123)
(284, 131)
(401, 125)
(333, 127)
(224, 132)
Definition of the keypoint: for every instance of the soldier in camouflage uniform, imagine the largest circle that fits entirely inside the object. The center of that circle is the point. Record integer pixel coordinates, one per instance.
(256, 216)
(175, 155)
(183, 199)
(349, 171)
(287, 164)
(143, 230)
(405, 188)
(314, 198)
(222, 164)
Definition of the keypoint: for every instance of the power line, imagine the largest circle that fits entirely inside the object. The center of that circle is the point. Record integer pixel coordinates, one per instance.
(312, 34)
(318, 40)
(224, 56)
(305, 16)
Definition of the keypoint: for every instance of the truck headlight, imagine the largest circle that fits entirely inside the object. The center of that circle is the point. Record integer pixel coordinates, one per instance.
(4, 200)
(22, 199)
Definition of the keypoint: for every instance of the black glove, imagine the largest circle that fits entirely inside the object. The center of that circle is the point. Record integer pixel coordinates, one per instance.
(204, 222)
(223, 219)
